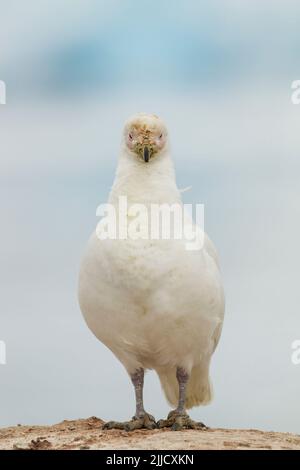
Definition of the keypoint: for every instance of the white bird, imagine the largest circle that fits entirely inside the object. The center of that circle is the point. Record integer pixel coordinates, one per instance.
(153, 303)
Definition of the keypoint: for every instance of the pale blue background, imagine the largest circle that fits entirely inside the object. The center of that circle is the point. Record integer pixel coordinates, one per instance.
(220, 74)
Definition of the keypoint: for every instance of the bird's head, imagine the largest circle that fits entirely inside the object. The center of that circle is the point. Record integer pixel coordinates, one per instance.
(145, 136)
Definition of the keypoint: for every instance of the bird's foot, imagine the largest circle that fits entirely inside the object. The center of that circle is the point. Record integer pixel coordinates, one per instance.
(179, 421)
(145, 421)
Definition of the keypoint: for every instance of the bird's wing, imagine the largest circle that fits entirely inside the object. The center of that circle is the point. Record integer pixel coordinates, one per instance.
(216, 336)
(211, 249)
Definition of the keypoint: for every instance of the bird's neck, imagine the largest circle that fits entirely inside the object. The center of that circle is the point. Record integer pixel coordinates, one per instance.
(146, 183)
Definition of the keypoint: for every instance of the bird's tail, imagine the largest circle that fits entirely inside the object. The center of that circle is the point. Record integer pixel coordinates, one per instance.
(199, 387)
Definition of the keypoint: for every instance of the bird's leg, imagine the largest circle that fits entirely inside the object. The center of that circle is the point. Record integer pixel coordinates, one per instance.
(141, 419)
(138, 382)
(178, 419)
(182, 379)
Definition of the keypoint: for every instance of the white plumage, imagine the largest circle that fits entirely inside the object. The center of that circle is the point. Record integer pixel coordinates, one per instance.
(153, 303)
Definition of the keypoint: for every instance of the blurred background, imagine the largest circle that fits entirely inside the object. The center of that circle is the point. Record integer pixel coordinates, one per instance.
(220, 75)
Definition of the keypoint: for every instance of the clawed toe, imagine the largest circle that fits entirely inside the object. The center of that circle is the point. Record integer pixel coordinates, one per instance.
(178, 422)
(144, 422)
(149, 422)
(114, 425)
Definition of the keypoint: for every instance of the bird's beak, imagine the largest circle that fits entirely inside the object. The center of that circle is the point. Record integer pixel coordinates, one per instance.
(146, 154)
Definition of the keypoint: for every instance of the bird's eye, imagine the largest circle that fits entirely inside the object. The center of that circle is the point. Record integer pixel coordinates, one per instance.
(130, 136)
(160, 136)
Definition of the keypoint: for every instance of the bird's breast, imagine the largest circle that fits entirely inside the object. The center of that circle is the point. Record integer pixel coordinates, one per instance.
(139, 264)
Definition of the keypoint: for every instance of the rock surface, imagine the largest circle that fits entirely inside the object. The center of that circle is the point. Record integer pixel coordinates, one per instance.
(85, 434)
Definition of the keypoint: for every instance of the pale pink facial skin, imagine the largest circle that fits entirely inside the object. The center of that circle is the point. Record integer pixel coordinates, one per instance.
(160, 141)
(132, 138)
(145, 131)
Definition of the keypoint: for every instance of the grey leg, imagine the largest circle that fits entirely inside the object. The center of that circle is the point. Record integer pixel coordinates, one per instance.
(178, 419)
(138, 382)
(141, 419)
(182, 379)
